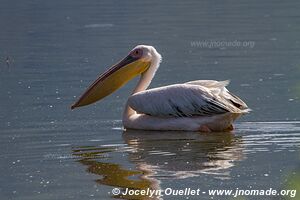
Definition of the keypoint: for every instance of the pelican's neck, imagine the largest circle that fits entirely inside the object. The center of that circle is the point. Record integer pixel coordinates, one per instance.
(143, 82)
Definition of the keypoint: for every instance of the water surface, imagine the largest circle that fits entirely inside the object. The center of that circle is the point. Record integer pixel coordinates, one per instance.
(51, 51)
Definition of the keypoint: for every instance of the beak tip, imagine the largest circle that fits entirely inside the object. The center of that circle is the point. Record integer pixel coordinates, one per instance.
(73, 106)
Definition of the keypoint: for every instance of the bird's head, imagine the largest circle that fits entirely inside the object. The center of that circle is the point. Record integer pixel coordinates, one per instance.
(139, 60)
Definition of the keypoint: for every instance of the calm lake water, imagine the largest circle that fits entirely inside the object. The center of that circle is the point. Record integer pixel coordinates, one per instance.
(52, 50)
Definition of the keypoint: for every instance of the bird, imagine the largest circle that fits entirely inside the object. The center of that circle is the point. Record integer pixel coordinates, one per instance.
(201, 105)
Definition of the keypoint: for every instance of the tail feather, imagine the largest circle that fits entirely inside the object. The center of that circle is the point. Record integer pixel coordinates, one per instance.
(237, 102)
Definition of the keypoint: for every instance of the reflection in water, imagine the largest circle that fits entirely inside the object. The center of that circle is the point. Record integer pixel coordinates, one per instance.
(161, 155)
(184, 154)
(112, 174)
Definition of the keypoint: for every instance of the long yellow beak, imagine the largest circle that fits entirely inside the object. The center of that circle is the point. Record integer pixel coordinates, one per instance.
(111, 80)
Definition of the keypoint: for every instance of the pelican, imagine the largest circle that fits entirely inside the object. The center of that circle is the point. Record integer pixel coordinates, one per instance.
(201, 105)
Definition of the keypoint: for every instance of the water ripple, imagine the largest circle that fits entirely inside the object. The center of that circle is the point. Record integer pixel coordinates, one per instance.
(270, 136)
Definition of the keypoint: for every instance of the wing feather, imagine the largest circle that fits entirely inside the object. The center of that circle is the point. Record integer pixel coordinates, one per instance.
(184, 100)
(210, 83)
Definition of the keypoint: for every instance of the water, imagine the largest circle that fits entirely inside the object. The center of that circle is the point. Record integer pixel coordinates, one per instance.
(51, 51)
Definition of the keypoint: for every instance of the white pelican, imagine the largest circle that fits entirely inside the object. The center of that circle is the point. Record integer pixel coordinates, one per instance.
(202, 105)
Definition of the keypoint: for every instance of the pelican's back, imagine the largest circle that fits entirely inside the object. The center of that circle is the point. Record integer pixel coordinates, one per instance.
(196, 98)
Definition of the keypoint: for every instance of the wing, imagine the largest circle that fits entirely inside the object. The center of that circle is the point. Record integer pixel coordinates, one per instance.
(183, 100)
(212, 84)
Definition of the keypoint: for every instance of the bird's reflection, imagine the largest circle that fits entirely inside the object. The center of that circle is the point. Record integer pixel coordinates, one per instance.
(113, 174)
(162, 155)
(184, 154)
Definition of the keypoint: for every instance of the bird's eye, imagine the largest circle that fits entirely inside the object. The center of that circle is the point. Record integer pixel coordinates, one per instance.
(137, 53)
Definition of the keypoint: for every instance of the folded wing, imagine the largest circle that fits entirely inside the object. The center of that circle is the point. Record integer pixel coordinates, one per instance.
(196, 98)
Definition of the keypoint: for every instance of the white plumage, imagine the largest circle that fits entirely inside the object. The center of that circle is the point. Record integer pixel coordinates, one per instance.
(196, 98)
(202, 105)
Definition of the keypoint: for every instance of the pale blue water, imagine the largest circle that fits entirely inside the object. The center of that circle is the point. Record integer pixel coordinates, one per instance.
(51, 51)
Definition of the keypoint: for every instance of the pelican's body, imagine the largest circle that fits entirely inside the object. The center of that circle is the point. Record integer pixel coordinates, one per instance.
(203, 105)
